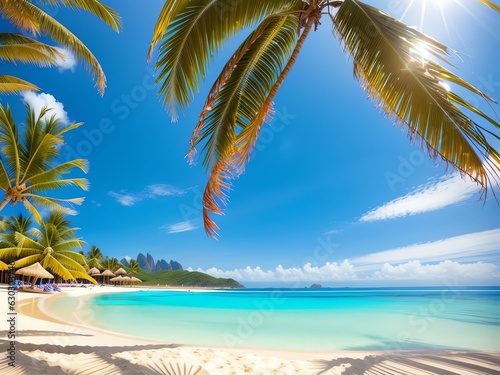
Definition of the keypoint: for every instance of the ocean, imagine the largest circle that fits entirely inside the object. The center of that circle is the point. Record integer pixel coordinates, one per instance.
(302, 319)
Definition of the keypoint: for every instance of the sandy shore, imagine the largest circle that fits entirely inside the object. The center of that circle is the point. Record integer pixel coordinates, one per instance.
(46, 345)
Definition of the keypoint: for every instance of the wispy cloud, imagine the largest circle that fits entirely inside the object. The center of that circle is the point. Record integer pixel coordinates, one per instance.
(184, 226)
(69, 62)
(149, 192)
(38, 101)
(446, 191)
(447, 270)
(468, 247)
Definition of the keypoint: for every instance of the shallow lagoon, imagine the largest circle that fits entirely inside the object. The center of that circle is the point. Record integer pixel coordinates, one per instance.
(304, 319)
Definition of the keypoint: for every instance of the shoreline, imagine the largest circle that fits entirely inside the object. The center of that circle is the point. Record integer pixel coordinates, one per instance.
(47, 343)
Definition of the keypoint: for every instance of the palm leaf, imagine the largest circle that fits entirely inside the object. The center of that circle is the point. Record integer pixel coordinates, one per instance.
(27, 261)
(192, 38)
(14, 85)
(491, 4)
(17, 47)
(59, 170)
(409, 90)
(9, 141)
(52, 264)
(58, 184)
(29, 17)
(97, 8)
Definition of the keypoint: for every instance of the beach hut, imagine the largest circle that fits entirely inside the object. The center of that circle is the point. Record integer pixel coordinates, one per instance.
(107, 273)
(117, 279)
(4, 272)
(36, 271)
(120, 271)
(94, 272)
(126, 280)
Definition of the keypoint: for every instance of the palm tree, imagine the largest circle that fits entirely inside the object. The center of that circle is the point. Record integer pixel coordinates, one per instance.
(111, 264)
(134, 266)
(8, 229)
(16, 47)
(29, 166)
(27, 17)
(410, 89)
(53, 247)
(94, 257)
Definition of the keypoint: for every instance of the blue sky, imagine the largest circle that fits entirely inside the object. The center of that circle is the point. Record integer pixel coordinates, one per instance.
(335, 193)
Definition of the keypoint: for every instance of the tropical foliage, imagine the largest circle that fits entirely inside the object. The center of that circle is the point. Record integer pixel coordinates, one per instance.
(134, 266)
(52, 246)
(411, 89)
(111, 264)
(94, 258)
(27, 17)
(29, 165)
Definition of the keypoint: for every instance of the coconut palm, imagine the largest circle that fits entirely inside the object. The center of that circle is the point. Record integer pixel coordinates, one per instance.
(29, 18)
(111, 264)
(53, 247)
(9, 227)
(410, 89)
(29, 165)
(94, 258)
(134, 266)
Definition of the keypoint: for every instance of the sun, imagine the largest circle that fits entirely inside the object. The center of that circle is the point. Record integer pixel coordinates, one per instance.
(430, 10)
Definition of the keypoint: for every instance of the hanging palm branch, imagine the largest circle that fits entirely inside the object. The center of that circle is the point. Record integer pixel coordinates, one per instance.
(411, 90)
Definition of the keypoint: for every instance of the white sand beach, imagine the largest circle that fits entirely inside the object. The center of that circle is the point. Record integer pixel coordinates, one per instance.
(46, 345)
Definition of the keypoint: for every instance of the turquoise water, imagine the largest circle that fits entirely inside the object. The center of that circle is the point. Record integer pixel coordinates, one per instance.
(326, 319)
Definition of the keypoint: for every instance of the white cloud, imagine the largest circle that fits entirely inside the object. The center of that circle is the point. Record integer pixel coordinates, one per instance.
(69, 62)
(446, 191)
(125, 199)
(38, 101)
(183, 226)
(330, 271)
(471, 247)
(447, 270)
(149, 192)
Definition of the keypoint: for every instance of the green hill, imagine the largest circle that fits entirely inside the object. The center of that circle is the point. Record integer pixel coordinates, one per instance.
(185, 278)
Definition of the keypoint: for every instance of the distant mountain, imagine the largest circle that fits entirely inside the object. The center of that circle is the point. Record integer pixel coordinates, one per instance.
(185, 278)
(147, 263)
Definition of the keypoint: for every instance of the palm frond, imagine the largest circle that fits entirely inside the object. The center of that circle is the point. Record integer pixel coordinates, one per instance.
(104, 12)
(410, 90)
(191, 38)
(264, 55)
(59, 170)
(9, 141)
(27, 261)
(82, 183)
(17, 47)
(14, 85)
(54, 266)
(490, 4)
(28, 17)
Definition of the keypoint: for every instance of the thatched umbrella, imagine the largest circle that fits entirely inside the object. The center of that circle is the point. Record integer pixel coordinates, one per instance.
(120, 271)
(94, 271)
(106, 273)
(4, 276)
(36, 271)
(116, 279)
(135, 280)
(126, 279)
